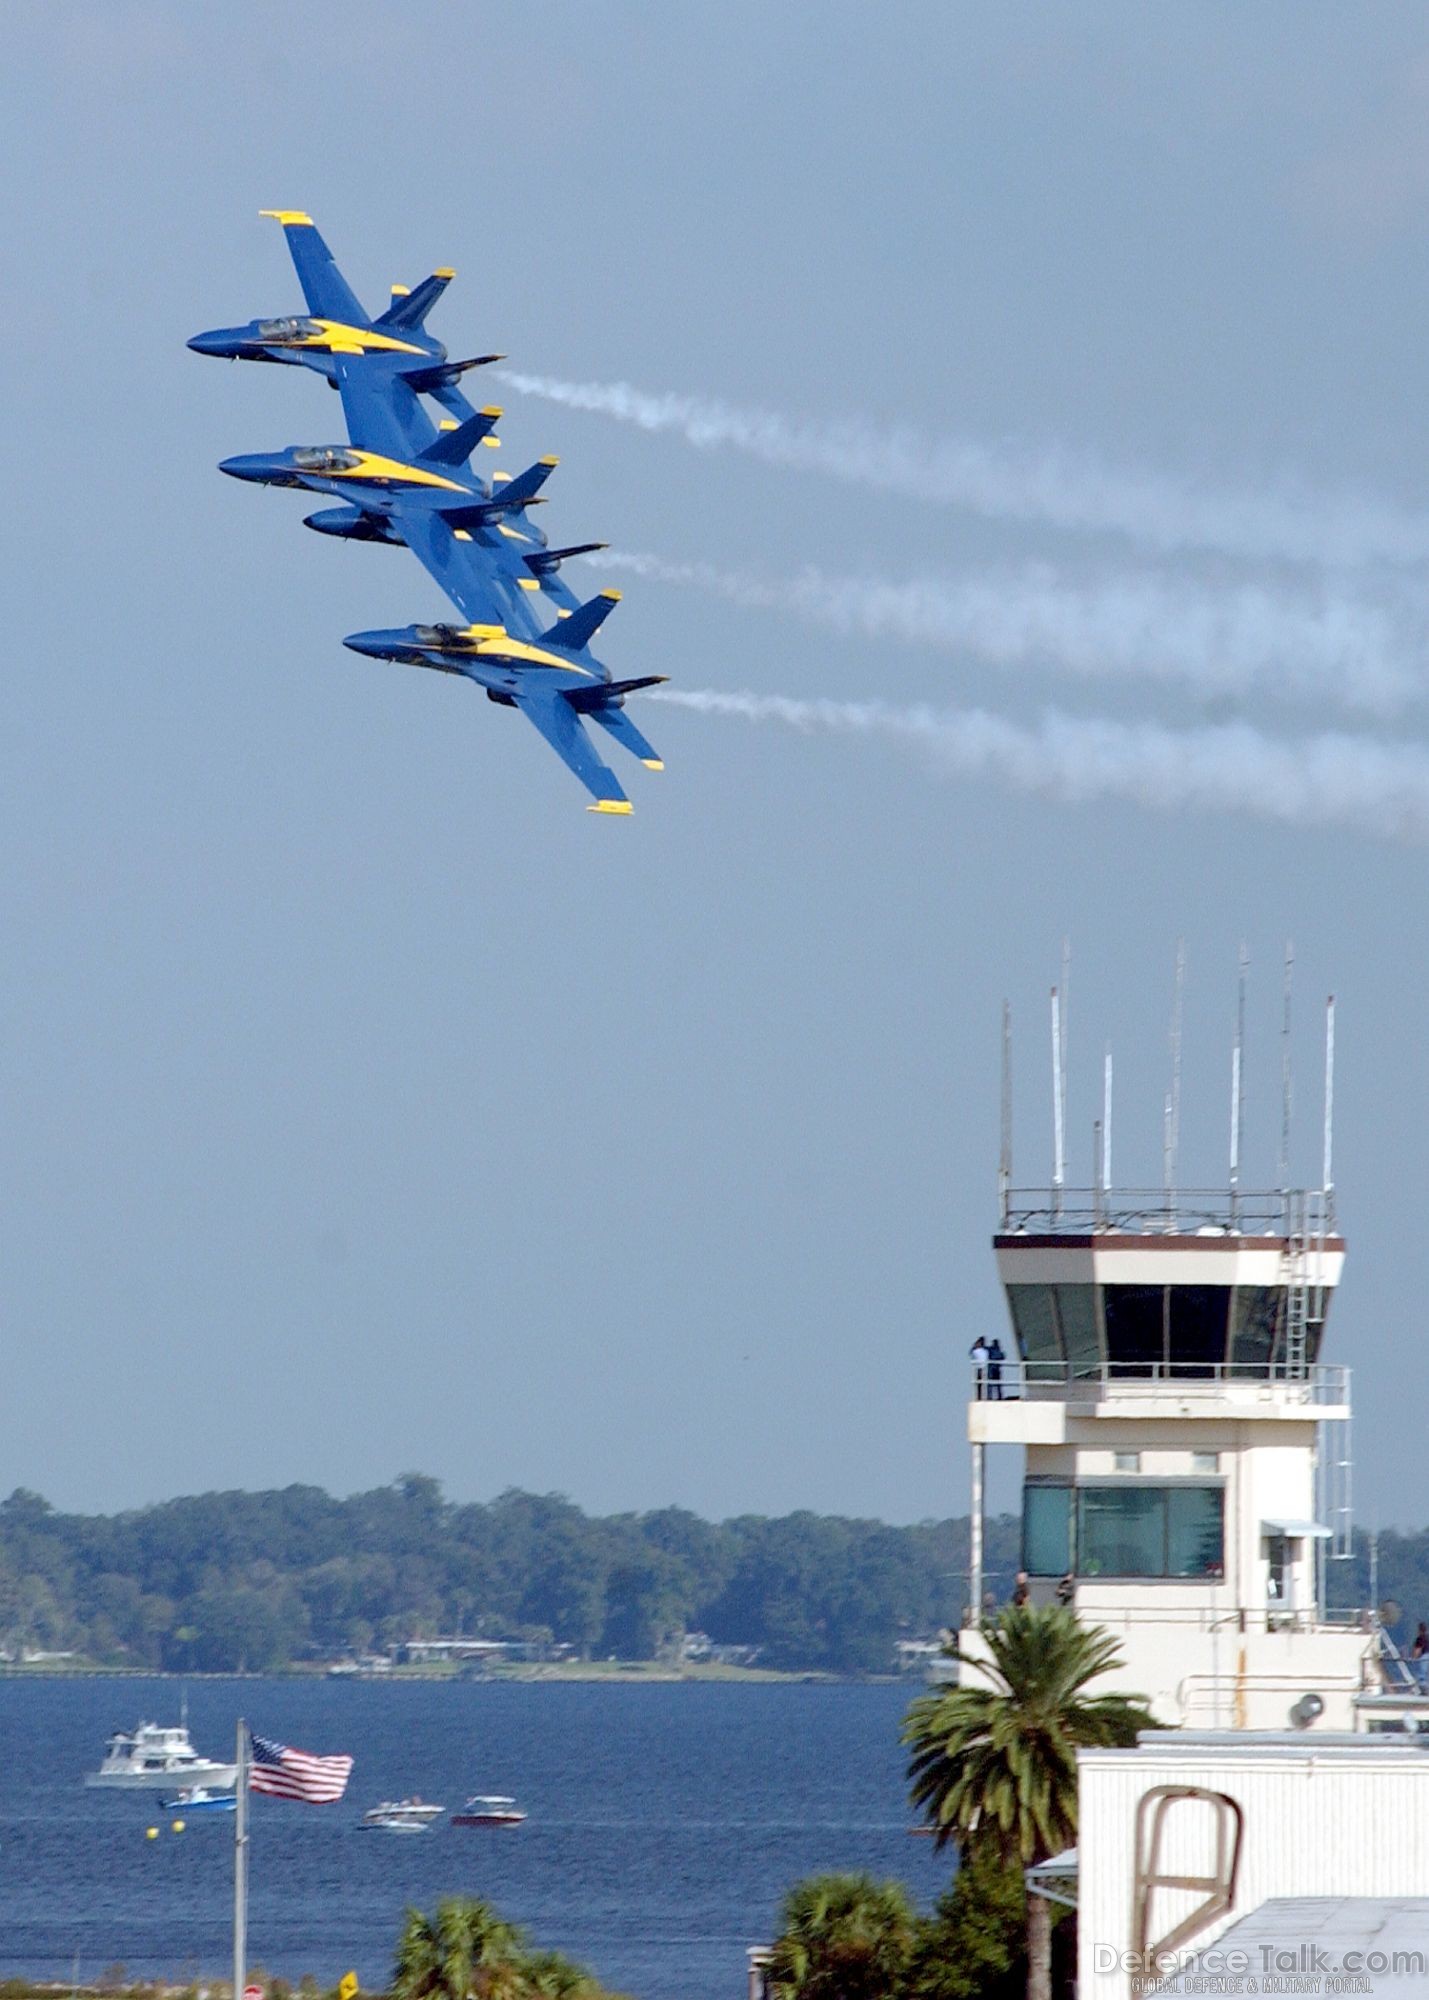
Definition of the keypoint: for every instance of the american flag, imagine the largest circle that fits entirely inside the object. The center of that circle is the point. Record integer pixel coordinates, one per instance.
(296, 1774)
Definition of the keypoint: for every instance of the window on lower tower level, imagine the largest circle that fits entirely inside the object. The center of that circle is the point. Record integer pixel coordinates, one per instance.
(1136, 1527)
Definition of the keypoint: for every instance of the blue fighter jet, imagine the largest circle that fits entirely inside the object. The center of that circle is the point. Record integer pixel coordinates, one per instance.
(408, 359)
(455, 524)
(404, 481)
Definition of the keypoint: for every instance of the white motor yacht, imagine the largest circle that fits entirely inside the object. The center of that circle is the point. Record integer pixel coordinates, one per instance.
(160, 1759)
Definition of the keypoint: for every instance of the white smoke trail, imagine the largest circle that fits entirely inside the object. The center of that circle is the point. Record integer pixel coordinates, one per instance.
(1012, 482)
(1329, 781)
(1221, 642)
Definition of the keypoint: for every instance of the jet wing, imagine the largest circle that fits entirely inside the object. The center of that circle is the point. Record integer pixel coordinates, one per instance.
(382, 413)
(558, 722)
(327, 292)
(467, 582)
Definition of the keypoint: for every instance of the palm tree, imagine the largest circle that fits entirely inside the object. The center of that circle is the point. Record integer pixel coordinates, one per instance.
(550, 1975)
(996, 1760)
(464, 1952)
(842, 1937)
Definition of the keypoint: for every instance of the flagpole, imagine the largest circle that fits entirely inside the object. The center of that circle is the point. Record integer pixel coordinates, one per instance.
(240, 1863)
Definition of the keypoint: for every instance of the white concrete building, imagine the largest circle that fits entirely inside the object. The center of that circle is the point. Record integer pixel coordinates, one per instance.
(1187, 1835)
(1186, 1459)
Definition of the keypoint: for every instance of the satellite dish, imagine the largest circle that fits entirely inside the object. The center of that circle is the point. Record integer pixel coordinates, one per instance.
(1390, 1613)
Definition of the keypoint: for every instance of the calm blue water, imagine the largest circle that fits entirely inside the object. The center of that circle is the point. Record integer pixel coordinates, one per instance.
(665, 1823)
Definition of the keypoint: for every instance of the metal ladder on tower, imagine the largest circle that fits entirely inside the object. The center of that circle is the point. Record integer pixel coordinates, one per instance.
(1297, 1290)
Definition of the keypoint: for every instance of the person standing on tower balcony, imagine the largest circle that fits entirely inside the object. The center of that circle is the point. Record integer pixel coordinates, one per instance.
(980, 1354)
(1419, 1654)
(995, 1359)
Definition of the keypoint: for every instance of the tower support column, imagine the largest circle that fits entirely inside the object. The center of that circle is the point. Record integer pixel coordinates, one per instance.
(975, 1537)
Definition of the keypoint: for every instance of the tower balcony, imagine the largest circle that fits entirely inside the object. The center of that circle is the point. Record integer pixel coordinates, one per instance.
(1031, 1402)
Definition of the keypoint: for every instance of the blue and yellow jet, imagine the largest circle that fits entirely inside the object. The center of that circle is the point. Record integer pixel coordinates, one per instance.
(403, 480)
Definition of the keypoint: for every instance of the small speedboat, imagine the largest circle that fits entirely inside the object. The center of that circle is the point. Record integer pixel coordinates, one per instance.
(400, 1816)
(488, 1810)
(197, 1800)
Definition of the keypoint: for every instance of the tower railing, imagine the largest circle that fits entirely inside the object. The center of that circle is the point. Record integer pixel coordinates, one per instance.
(1321, 1384)
(1301, 1214)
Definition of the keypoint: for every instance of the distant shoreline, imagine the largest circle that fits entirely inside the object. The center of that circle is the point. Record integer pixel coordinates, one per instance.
(618, 1672)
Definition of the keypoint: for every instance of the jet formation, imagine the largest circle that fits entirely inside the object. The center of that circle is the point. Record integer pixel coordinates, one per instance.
(407, 480)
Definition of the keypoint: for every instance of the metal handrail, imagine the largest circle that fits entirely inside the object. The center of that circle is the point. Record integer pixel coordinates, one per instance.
(1014, 1380)
(1273, 1212)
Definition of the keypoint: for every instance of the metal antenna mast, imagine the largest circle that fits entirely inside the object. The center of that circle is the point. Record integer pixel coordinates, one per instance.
(1286, 1095)
(1328, 1181)
(1106, 1121)
(1058, 1131)
(1238, 1089)
(1004, 1166)
(1065, 990)
(1173, 1099)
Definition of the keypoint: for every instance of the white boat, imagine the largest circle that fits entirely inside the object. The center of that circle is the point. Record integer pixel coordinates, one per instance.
(158, 1758)
(198, 1800)
(489, 1809)
(400, 1816)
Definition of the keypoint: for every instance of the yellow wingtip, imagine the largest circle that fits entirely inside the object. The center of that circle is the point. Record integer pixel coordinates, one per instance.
(288, 215)
(445, 271)
(612, 594)
(401, 291)
(550, 461)
(446, 423)
(653, 763)
(611, 806)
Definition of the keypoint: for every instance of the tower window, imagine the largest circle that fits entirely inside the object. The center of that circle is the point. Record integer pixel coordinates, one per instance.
(1126, 1461)
(1133, 1528)
(1205, 1461)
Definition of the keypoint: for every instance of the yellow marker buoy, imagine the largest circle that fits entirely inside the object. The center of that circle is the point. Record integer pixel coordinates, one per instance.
(151, 1833)
(178, 1826)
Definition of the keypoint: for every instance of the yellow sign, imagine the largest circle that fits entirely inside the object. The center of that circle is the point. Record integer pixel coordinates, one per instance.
(347, 1987)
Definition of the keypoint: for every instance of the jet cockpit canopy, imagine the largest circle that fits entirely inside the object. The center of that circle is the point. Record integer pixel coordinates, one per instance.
(325, 458)
(278, 331)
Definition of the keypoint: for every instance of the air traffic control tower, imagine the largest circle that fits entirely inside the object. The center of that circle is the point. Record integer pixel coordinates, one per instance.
(1187, 1466)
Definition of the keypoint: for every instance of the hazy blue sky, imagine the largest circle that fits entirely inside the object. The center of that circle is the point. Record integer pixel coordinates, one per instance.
(367, 1105)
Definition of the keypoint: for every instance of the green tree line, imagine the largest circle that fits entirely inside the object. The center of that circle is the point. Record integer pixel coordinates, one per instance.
(221, 1582)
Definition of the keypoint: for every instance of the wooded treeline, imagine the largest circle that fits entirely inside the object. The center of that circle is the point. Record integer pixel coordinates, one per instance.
(256, 1581)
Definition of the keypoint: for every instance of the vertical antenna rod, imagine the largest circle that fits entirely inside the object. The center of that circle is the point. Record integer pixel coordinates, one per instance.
(1286, 1097)
(1173, 1101)
(1328, 1183)
(1238, 1089)
(1065, 992)
(1058, 1135)
(1004, 1164)
(1106, 1121)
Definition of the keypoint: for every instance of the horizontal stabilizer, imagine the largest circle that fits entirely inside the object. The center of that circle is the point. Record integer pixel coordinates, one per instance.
(445, 374)
(456, 447)
(410, 309)
(610, 694)
(619, 725)
(517, 492)
(545, 562)
(581, 627)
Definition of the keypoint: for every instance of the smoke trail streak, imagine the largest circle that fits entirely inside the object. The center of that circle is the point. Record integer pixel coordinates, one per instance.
(1355, 782)
(1011, 482)
(1327, 645)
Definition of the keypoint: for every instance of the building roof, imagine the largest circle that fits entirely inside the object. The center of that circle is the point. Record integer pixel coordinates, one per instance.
(1382, 1940)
